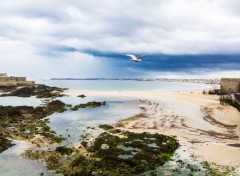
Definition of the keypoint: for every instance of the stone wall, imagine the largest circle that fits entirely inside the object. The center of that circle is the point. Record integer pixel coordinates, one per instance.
(230, 85)
(15, 81)
(12, 78)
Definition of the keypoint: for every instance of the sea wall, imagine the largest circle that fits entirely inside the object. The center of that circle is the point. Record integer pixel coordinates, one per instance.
(230, 85)
(6, 80)
(17, 83)
(12, 78)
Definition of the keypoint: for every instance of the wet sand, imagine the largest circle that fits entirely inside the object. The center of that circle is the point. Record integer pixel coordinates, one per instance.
(199, 119)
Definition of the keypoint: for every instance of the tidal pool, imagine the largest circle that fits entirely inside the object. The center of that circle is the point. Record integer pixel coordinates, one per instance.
(12, 164)
(70, 124)
(20, 101)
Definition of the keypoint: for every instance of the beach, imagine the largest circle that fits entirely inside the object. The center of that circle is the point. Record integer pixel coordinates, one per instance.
(204, 133)
(207, 128)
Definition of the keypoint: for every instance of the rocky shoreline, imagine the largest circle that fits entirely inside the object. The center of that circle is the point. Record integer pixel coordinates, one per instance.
(123, 149)
(111, 149)
(39, 90)
(4, 143)
(27, 122)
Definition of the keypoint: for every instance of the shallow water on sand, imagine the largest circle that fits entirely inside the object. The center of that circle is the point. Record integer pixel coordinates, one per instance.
(20, 101)
(69, 124)
(12, 164)
(73, 124)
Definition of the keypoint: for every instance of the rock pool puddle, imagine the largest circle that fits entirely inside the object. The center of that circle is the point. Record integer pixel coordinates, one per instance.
(69, 124)
(20, 101)
(72, 125)
(12, 164)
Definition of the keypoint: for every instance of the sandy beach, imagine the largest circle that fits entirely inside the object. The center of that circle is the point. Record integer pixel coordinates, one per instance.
(206, 127)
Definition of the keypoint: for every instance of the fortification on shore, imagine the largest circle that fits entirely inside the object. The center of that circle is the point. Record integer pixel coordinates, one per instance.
(6, 80)
(230, 85)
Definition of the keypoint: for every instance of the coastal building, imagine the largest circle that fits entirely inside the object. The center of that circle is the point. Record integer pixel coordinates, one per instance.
(230, 85)
(6, 80)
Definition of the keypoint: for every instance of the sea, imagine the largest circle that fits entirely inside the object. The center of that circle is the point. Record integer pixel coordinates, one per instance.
(125, 85)
(73, 124)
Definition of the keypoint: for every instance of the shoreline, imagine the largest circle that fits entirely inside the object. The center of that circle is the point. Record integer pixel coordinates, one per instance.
(207, 131)
(196, 120)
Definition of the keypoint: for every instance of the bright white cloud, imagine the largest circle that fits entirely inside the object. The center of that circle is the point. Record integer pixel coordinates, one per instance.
(30, 31)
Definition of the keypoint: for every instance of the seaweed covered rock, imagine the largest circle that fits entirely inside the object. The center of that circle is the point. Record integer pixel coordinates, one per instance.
(133, 154)
(106, 127)
(10, 111)
(124, 154)
(7, 88)
(64, 150)
(19, 111)
(21, 92)
(92, 104)
(4, 143)
(43, 91)
(26, 121)
(51, 158)
(81, 96)
(40, 91)
(56, 106)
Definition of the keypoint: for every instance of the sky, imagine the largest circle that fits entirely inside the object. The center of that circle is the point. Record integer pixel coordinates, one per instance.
(42, 39)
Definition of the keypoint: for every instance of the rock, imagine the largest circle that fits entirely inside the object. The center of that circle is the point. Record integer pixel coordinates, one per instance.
(22, 92)
(64, 150)
(56, 105)
(4, 143)
(92, 104)
(82, 96)
(104, 146)
(40, 91)
(106, 127)
(27, 121)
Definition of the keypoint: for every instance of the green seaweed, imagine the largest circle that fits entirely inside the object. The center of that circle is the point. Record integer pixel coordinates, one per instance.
(64, 150)
(81, 96)
(92, 104)
(106, 127)
(107, 160)
(24, 122)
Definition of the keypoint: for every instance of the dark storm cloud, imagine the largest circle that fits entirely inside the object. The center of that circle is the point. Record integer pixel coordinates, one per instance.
(162, 62)
(177, 35)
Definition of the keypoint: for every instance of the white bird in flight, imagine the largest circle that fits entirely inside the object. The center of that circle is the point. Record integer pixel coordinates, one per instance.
(135, 58)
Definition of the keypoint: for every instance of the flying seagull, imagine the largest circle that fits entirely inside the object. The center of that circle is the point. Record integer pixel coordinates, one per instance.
(135, 58)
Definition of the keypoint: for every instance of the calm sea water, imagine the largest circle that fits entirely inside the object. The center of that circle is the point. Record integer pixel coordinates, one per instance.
(124, 85)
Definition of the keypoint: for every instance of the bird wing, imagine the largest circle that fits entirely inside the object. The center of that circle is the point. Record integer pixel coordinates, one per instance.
(140, 57)
(132, 56)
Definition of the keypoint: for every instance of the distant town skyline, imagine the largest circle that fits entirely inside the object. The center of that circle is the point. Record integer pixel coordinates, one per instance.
(85, 38)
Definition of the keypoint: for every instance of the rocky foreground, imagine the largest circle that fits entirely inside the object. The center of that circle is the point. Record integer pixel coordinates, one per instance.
(27, 122)
(197, 121)
(113, 152)
(5, 143)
